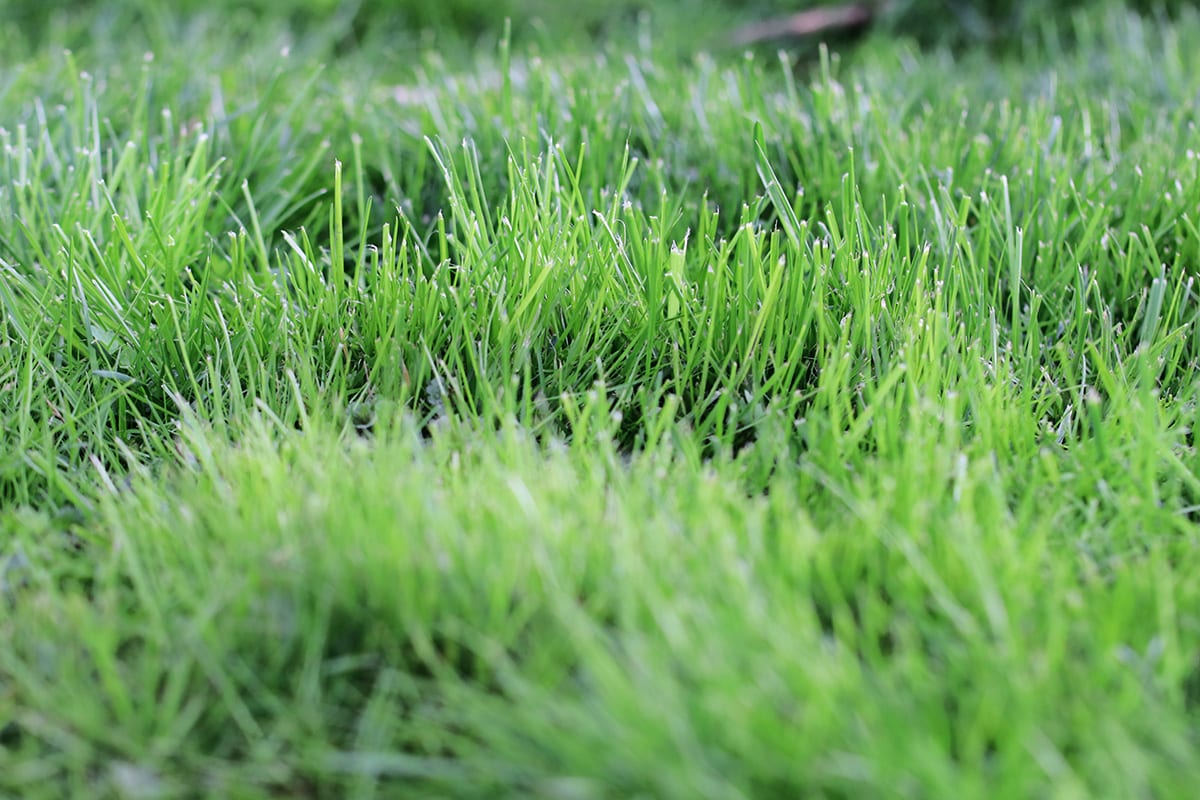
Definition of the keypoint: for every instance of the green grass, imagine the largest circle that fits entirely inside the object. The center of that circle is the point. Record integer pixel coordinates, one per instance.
(595, 412)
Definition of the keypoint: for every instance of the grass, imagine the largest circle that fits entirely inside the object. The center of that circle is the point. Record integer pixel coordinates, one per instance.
(409, 415)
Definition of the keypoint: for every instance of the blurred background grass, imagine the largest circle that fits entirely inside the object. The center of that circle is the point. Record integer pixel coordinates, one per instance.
(351, 23)
(694, 23)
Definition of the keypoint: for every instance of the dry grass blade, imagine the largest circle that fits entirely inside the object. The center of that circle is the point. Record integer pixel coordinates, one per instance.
(811, 22)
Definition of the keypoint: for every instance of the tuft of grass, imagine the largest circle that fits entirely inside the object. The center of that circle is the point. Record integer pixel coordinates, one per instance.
(547, 420)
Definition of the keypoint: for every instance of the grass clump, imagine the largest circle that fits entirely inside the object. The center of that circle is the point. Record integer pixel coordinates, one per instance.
(597, 422)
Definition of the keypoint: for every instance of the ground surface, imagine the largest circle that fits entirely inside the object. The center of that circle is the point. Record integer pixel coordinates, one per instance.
(592, 411)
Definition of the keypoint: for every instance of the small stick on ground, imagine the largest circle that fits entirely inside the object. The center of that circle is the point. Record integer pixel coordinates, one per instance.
(843, 18)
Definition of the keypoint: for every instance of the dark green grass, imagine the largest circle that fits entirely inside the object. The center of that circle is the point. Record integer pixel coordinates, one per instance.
(535, 419)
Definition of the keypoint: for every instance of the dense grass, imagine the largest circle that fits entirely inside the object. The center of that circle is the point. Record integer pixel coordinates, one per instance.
(527, 416)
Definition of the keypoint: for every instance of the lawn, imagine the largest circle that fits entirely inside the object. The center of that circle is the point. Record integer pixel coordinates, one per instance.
(482, 400)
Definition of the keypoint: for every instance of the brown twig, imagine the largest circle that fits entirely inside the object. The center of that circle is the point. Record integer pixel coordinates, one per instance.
(808, 23)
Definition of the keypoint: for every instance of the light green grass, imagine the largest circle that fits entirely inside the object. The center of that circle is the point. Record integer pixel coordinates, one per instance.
(531, 419)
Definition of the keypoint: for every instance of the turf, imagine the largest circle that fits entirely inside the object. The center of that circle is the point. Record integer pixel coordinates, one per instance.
(581, 409)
